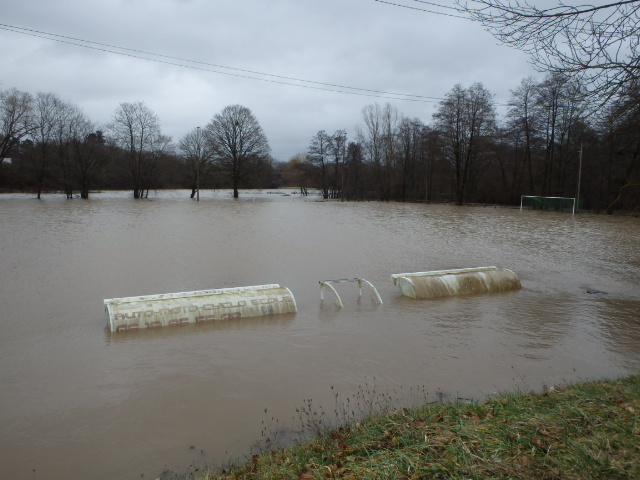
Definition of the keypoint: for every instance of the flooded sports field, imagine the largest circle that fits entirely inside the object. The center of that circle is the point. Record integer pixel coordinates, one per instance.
(78, 401)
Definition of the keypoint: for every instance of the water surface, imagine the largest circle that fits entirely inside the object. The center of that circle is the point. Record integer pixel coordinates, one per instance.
(80, 402)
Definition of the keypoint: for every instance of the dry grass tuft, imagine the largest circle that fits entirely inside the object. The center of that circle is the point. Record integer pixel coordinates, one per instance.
(588, 430)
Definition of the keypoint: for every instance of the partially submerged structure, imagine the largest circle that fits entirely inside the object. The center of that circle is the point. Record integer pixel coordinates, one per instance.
(134, 313)
(202, 306)
(328, 284)
(444, 283)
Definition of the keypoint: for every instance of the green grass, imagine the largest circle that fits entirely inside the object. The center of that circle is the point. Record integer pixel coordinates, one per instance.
(583, 431)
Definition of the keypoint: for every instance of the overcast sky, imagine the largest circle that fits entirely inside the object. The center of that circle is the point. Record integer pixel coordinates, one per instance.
(363, 44)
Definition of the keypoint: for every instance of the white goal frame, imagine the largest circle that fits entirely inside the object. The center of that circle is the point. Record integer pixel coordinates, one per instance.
(573, 208)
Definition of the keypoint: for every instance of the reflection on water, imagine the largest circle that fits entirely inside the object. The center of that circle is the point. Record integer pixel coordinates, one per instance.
(75, 396)
(249, 323)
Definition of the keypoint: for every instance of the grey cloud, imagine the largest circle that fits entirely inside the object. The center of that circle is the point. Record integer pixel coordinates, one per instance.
(359, 43)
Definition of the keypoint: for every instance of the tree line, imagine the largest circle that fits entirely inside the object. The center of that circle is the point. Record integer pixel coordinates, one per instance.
(575, 133)
(53, 146)
(549, 143)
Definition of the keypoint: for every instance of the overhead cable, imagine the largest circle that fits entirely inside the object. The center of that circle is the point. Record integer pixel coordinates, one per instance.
(213, 68)
(393, 4)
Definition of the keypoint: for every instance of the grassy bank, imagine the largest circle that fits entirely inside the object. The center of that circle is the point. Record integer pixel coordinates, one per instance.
(588, 430)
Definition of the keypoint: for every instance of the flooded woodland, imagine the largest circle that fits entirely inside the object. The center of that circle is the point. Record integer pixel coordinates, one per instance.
(78, 401)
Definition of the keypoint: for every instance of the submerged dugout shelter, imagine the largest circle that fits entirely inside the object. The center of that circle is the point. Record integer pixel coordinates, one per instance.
(202, 306)
(444, 283)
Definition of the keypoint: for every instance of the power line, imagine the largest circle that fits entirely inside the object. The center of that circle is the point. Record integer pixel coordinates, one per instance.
(438, 5)
(248, 74)
(424, 9)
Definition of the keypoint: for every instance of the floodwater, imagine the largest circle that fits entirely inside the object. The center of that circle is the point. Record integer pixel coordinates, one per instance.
(77, 401)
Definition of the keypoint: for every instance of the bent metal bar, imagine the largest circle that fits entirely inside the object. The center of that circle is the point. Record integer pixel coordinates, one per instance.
(133, 313)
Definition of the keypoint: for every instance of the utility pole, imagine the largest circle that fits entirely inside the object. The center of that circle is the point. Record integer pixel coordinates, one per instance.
(198, 140)
(579, 179)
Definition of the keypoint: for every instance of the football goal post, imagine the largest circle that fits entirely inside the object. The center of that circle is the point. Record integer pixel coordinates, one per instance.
(558, 204)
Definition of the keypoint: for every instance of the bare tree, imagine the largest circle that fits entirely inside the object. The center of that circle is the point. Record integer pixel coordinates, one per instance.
(338, 148)
(561, 103)
(71, 128)
(90, 157)
(620, 174)
(15, 119)
(47, 118)
(410, 139)
(198, 156)
(524, 122)
(390, 128)
(600, 44)
(431, 156)
(238, 141)
(319, 156)
(353, 184)
(136, 129)
(465, 118)
(372, 139)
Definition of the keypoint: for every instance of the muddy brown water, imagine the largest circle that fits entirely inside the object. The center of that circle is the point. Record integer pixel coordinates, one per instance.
(77, 401)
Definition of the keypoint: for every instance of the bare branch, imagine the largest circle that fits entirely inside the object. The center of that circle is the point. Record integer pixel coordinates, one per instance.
(597, 44)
